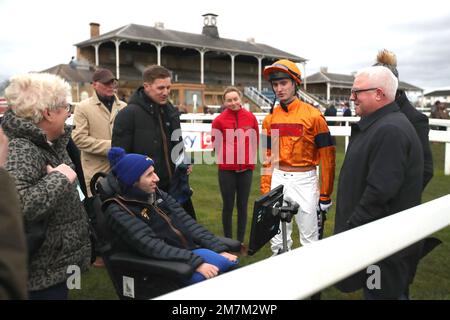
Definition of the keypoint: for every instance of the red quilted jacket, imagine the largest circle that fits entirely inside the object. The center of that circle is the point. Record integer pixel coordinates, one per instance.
(235, 136)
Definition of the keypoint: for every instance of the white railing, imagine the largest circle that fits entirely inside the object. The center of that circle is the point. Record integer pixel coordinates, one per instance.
(257, 97)
(196, 131)
(309, 98)
(304, 271)
(265, 103)
(197, 117)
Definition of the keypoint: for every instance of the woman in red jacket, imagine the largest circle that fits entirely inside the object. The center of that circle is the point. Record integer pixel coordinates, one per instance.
(235, 135)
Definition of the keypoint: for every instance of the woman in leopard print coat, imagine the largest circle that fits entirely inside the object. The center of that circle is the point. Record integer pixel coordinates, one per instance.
(46, 181)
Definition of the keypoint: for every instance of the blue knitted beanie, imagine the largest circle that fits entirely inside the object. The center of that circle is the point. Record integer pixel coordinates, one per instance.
(128, 168)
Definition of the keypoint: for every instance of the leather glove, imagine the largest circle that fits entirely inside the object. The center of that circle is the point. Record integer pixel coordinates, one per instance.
(322, 209)
(324, 205)
(321, 218)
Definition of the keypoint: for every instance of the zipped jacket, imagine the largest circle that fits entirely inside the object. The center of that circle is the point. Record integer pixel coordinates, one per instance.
(421, 125)
(146, 127)
(302, 139)
(235, 136)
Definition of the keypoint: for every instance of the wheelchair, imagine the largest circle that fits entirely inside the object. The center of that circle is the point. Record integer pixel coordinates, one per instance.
(135, 276)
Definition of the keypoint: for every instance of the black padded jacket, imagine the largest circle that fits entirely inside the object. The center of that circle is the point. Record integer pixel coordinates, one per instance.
(146, 127)
(162, 230)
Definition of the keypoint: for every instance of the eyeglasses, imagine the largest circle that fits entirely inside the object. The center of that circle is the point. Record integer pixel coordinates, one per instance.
(356, 91)
(67, 107)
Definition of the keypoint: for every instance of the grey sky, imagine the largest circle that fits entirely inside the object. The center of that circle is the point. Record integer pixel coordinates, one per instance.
(343, 35)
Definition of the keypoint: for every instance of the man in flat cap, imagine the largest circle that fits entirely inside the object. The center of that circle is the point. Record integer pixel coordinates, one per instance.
(93, 122)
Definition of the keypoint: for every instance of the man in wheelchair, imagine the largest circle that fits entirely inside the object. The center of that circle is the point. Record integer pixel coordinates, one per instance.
(144, 220)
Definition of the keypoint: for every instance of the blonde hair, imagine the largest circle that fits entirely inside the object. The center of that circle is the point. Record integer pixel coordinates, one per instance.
(31, 93)
(231, 89)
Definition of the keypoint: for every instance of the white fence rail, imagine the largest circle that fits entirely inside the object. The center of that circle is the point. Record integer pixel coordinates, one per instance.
(304, 271)
(197, 136)
(257, 97)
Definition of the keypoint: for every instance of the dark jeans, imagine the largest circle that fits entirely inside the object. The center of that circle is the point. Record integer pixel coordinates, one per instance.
(235, 185)
(56, 292)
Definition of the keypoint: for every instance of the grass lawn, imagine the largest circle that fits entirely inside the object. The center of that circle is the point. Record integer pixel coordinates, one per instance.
(432, 279)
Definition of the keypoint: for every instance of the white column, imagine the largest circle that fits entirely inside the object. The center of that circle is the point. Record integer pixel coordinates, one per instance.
(158, 50)
(232, 68)
(259, 73)
(117, 43)
(202, 66)
(328, 92)
(97, 62)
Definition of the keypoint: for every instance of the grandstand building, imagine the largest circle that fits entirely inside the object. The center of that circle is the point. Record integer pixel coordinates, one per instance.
(202, 64)
(332, 88)
(442, 95)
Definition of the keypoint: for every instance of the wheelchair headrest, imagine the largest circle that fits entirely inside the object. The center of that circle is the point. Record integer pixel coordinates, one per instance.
(104, 185)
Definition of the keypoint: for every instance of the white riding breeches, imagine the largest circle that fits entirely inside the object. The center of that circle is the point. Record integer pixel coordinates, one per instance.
(301, 187)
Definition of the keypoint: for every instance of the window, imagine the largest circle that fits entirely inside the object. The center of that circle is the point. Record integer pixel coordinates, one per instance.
(175, 97)
(128, 58)
(189, 97)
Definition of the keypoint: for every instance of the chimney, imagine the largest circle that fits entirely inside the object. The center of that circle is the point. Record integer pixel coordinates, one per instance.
(159, 25)
(210, 25)
(324, 69)
(95, 29)
(251, 40)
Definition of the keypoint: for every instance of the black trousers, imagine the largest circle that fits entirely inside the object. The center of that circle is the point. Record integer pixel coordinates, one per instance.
(235, 185)
(57, 292)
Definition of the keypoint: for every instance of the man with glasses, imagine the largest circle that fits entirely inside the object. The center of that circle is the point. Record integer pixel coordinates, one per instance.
(381, 175)
(298, 139)
(93, 122)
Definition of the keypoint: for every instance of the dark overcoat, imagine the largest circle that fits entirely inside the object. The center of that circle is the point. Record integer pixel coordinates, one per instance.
(381, 175)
